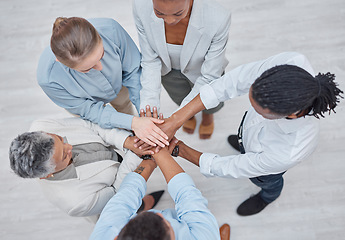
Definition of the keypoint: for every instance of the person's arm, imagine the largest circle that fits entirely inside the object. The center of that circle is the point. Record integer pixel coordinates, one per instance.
(167, 164)
(124, 204)
(150, 62)
(177, 119)
(96, 112)
(130, 61)
(189, 153)
(234, 83)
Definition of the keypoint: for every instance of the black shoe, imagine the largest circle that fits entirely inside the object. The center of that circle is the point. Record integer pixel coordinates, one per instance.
(252, 205)
(156, 196)
(233, 141)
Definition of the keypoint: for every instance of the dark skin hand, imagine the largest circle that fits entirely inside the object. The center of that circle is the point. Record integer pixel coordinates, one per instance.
(175, 121)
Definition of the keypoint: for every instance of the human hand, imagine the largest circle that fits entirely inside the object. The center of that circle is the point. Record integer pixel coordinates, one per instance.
(169, 127)
(145, 128)
(144, 150)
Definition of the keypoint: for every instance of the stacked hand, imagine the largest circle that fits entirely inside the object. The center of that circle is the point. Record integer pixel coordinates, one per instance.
(145, 128)
(141, 145)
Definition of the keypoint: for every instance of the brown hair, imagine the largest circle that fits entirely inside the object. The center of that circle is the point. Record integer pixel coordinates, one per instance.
(73, 39)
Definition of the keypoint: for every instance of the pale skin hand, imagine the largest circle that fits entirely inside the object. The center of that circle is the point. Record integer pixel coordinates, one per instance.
(145, 128)
(139, 143)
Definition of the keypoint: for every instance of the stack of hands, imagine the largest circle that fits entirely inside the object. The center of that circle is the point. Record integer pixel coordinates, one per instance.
(152, 133)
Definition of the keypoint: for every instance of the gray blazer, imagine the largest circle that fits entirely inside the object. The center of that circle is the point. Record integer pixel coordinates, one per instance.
(203, 53)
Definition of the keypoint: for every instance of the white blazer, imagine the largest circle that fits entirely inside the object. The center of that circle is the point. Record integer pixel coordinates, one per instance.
(96, 182)
(203, 52)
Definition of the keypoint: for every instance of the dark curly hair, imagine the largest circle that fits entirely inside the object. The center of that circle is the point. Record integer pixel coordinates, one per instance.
(286, 89)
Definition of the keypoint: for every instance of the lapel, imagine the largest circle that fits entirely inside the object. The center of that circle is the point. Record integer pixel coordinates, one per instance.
(158, 33)
(194, 33)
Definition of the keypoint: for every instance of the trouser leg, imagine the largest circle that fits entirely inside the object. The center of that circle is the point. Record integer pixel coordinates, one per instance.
(179, 86)
(271, 186)
(122, 103)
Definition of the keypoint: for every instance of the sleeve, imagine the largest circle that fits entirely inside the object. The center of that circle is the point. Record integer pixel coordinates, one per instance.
(238, 81)
(93, 111)
(246, 165)
(114, 137)
(213, 67)
(275, 156)
(130, 162)
(120, 208)
(191, 208)
(130, 59)
(92, 204)
(151, 67)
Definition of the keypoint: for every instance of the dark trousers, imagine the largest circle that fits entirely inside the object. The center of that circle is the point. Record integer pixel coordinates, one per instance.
(271, 185)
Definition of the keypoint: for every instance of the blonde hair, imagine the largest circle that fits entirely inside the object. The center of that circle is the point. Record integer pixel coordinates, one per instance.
(73, 39)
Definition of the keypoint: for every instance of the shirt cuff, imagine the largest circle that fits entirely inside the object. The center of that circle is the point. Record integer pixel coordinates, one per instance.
(178, 182)
(121, 120)
(208, 97)
(123, 135)
(205, 163)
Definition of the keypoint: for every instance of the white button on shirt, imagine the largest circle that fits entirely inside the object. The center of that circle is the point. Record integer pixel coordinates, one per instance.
(272, 146)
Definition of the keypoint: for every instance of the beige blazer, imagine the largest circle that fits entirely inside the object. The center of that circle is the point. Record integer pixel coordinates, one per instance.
(96, 182)
(203, 52)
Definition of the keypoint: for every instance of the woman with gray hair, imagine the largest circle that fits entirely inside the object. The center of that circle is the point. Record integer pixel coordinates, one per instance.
(81, 175)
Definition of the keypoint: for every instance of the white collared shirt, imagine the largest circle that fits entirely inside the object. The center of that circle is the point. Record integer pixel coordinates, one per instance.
(272, 146)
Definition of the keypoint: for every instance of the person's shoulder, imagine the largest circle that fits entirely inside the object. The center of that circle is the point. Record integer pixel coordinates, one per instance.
(47, 65)
(215, 9)
(100, 23)
(143, 7)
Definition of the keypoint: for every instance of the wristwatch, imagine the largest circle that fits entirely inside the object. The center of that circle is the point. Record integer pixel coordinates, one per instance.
(175, 151)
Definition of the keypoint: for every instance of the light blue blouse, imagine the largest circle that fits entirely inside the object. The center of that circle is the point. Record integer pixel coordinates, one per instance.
(86, 94)
(191, 219)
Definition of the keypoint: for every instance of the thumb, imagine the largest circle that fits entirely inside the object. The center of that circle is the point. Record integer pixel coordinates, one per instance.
(155, 120)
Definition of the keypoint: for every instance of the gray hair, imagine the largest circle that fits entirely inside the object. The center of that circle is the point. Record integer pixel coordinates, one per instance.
(31, 155)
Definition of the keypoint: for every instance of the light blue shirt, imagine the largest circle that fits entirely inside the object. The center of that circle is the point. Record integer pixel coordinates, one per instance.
(86, 94)
(191, 219)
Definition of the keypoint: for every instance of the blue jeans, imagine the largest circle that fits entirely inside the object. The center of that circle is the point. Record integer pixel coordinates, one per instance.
(271, 186)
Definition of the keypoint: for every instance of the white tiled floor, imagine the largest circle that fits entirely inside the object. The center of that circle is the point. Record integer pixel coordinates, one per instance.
(312, 205)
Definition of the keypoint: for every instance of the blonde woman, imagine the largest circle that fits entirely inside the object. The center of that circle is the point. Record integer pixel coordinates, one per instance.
(87, 65)
(183, 44)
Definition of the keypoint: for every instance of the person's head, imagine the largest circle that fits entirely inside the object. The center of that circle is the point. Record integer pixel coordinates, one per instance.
(39, 154)
(172, 11)
(77, 44)
(147, 226)
(290, 91)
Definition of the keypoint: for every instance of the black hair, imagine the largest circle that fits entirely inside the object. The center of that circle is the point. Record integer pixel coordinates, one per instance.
(145, 226)
(286, 89)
